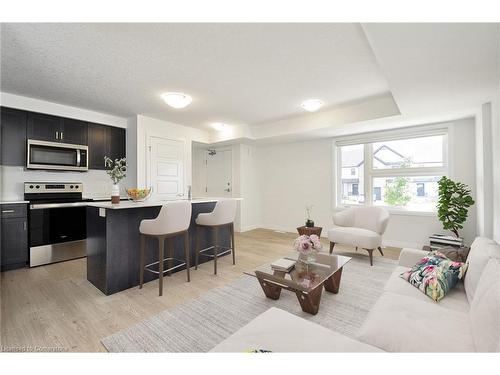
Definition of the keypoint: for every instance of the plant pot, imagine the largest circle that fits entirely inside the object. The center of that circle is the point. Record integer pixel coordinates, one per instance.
(115, 194)
(309, 223)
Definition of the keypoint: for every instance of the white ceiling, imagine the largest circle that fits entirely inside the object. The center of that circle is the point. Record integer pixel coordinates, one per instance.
(237, 73)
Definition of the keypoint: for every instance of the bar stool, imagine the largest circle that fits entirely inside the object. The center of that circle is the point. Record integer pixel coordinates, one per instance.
(222, 216)
(172, 221)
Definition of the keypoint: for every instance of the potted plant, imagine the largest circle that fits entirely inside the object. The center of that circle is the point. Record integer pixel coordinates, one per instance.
(116, 171)
(453, 204)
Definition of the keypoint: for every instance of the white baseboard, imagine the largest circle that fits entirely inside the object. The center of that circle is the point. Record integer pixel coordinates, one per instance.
(250, 227)
(401, 244)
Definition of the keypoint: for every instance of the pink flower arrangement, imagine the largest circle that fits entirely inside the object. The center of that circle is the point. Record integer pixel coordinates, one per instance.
(307, 244)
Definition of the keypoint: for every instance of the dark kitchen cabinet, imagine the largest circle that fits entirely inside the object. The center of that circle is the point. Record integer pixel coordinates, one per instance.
(56, 129)
(44, 127)
(105, 141)
(14, 236)
(74, 131)
(13, 137)
(116, 142)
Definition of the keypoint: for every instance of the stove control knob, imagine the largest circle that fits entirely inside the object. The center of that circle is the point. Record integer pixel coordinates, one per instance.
(37, 186)
(71, 186)
(31, 186)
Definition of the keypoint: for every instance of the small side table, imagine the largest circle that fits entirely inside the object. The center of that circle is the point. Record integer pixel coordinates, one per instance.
(309, 230)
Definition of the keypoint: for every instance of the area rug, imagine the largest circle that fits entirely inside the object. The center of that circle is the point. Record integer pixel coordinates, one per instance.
(200, 324)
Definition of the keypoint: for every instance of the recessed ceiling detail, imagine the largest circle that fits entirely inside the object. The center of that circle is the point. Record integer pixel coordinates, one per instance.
(243, 73)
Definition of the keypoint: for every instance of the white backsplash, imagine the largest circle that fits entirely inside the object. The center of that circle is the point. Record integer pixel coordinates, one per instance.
(95, 183)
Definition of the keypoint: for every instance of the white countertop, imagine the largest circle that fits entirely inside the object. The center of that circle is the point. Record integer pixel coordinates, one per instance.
(148, 203)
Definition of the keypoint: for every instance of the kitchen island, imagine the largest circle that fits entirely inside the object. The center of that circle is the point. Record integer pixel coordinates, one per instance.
(113, 242)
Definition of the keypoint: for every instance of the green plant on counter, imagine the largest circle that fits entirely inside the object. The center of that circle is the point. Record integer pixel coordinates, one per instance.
(117, 169)
(454, 201)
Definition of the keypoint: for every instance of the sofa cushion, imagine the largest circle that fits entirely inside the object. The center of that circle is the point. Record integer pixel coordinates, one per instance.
(279, 331)
(399, 323)
(355, 237)
(485, 309)
(435, 275)
(482, 249)
(455, 299)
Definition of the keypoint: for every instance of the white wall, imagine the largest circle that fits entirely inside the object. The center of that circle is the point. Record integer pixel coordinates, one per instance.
(251, 188)
(496, 166)
(147, 126)
(298, 174)
(95, 183)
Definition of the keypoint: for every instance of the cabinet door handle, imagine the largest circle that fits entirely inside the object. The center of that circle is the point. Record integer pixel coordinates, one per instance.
(25, 226)
(62, 136)
(8, 211)
(57, 135)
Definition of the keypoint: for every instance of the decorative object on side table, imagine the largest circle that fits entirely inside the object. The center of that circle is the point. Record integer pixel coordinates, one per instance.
(453, 204)
(309, 221)
(116, 171)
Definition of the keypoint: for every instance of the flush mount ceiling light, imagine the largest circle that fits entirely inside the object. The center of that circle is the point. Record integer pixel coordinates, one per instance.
(177, 99)
(219, 126)
(312, 105)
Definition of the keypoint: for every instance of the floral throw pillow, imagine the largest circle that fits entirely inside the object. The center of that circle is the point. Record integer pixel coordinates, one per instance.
(435, 275)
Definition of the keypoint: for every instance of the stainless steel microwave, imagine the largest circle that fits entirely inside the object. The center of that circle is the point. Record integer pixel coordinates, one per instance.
(58, 156)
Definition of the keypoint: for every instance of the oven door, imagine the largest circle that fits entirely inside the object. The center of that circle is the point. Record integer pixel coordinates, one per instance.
(57, 234)
(59, 156)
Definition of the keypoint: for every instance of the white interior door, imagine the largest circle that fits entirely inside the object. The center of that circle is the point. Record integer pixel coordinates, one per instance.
(166, 167)
(219, 174)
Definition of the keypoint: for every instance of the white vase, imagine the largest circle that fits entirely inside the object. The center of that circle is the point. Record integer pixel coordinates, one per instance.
(115, 194)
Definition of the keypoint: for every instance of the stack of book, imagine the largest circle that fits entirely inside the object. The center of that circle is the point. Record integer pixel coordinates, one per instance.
(438, 241)
(283, 264)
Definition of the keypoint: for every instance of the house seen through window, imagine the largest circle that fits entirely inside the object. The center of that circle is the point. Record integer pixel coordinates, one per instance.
(400, 173)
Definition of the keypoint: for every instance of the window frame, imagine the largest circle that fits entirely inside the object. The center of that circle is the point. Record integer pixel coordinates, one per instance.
(370, 173)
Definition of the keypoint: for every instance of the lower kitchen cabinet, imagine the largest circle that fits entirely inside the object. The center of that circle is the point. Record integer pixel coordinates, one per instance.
(14, 236)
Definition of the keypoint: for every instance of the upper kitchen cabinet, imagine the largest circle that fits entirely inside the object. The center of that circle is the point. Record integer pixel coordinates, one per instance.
(56, 129)
(74, 131)
(13, 137)
(44, 127)
(105, 141)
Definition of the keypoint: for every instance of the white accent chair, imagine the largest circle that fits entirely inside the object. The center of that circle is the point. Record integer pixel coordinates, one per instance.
(223, 215)
(360, 227)
(173, 220)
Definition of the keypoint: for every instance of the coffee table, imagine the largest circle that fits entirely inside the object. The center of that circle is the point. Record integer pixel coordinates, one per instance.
(306, 280)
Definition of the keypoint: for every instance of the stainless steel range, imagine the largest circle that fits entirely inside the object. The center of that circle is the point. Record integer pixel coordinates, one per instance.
(57, 221)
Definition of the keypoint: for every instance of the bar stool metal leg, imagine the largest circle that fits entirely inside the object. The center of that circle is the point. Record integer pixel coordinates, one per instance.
(197, 248)
(215, 249)
(143, 250)
(170, 254)
(232, 243)
(186, 251)
(161, 241)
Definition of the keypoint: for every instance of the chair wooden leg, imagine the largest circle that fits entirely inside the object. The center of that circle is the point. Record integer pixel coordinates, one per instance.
(232, 243)
(356, 248)
(380, 249)
(186, 251)
(142, 255)
(197, 248)
(215, 250)
(370, 254)
(161, 256)
(332, 245)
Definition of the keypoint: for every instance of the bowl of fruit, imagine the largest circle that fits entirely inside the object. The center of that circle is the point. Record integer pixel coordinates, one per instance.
(138, 195)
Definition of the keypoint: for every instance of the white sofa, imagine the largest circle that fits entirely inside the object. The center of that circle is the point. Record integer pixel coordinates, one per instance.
(402, 320)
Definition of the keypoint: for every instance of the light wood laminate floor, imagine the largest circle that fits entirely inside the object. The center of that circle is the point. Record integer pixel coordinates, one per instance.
(55, 308)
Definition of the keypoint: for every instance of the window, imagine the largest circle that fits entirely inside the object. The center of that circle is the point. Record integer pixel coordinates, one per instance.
(402, 173)
(355, 190)
(352, 158)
